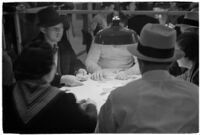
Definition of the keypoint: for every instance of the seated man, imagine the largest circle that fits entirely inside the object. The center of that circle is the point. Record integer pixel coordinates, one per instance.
(52, 28)
(158, 102)
(190, 23)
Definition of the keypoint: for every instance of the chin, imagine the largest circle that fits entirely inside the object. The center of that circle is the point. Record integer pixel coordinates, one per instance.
(58, 39)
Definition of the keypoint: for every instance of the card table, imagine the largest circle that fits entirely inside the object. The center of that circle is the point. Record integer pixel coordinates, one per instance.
(97, 91)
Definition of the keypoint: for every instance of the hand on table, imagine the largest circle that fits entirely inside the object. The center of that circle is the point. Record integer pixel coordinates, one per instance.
(82, 75)
(122, 76)
(70, 80)
(83, 103)
(82, 71)
(98, 75)
(89, 106)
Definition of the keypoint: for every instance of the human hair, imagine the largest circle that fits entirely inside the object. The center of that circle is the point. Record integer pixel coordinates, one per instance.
(145, 65)
(122, 16)
(106, 4)
(189, 44)
(142, 6)
(34, 62)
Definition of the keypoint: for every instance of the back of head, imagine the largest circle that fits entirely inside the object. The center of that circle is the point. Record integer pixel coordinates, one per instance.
(142, 6)
(106, 4)
(123, 18)
(190, 22)
(34, 62)
(189, 44)
(183, 5)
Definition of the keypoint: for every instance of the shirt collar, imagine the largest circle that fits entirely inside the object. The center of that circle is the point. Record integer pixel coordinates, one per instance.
(51, 43)
(156, 75)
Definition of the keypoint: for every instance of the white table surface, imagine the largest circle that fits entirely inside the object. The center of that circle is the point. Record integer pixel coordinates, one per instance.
(97, 91)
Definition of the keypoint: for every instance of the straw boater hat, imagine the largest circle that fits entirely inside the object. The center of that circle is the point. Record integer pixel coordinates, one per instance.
(156, 44)
(48, 17)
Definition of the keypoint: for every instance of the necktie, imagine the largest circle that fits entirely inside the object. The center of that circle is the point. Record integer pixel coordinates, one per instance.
(55, 47)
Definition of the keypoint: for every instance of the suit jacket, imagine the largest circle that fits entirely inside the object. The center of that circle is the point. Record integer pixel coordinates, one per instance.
(156, 103)
(69, 63)
(137, 22)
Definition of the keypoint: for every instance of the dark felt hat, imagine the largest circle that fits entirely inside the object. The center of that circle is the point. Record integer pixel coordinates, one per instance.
(48, 17)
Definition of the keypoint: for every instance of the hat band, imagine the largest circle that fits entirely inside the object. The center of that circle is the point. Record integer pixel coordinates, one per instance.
(190, 22)
(154, 52)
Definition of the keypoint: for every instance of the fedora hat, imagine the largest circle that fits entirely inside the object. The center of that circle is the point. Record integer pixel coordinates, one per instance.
(156, 44)
(48, 17)
(191, 19)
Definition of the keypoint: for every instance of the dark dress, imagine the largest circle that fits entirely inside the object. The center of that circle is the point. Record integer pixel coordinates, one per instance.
(61, 115)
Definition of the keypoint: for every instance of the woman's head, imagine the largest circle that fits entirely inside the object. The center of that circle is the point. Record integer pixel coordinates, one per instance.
(35, 63)
(109, 6)
(188, 42)
(122, 16)
(51, 24)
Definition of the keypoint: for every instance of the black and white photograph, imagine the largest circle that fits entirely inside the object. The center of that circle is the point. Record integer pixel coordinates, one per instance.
(80, 67)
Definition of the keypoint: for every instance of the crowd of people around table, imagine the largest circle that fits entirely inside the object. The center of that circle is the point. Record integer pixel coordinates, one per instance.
(164, 100)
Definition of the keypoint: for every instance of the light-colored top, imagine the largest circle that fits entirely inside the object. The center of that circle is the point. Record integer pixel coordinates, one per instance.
(156, 103)
(108, 56)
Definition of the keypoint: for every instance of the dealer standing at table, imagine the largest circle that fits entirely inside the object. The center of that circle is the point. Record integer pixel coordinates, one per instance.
(158, 102)
(109, 53)
(52, 26)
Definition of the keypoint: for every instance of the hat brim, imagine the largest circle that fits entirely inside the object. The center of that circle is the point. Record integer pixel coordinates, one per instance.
(52, 23)
(133, 50)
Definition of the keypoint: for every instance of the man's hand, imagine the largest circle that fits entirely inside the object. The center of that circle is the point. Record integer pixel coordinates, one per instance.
(89, 106)
(82, 75)
(98, 75)
(70, 80)
(122, 76)
(82, 72)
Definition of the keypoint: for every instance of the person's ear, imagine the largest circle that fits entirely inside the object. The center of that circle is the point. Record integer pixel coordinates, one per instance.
(141, 65)
(42, 29)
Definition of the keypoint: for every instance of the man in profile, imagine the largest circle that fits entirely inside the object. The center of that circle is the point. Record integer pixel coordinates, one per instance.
(53, 31)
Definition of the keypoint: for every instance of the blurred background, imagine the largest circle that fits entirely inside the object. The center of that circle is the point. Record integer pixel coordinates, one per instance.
(20, 21)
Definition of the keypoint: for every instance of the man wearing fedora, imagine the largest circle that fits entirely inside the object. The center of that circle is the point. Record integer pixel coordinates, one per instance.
(190, 22)
(158, 102)
(52, 30)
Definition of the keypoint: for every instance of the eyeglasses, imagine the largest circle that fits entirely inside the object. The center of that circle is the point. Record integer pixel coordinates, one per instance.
(56, 29)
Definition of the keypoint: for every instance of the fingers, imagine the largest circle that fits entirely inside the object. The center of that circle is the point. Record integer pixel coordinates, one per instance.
(86, 102)
(82, 101)
(82, 72)
(97, 76)
(70, 80)
(122, 76)
(81, 77)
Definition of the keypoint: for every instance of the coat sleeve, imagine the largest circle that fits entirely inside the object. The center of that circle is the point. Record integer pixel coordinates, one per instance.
(106, 123)
(75, 63)
(56, 81)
